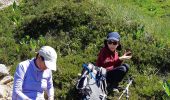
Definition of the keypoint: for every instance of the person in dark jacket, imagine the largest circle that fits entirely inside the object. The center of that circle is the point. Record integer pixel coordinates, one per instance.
(108, 58)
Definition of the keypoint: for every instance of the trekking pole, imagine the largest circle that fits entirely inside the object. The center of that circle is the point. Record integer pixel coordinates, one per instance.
(126, 90)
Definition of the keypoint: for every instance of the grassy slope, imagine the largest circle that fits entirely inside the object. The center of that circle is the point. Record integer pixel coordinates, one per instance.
(153, 14)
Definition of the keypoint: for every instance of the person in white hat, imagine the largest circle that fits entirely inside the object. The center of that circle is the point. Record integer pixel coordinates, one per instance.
(34, 77)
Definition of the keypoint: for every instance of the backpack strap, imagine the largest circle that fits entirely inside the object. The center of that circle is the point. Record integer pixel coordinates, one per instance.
(90, 71)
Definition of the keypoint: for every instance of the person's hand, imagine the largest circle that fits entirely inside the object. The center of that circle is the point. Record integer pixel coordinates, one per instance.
(126, 55)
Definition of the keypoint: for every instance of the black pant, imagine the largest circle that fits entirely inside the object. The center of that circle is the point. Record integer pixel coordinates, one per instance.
(116, 75)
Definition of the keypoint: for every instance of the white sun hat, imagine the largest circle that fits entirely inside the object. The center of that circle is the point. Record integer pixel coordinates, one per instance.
(50, 57)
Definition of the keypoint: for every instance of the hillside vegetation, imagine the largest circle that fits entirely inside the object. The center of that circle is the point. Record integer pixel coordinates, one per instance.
(77, 28)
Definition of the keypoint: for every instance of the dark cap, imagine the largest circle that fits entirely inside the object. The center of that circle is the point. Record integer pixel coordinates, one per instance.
(113, 36)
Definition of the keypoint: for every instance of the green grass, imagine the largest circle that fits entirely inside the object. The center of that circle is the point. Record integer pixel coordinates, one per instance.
(154, 14)
(77, 28)
(1, 4)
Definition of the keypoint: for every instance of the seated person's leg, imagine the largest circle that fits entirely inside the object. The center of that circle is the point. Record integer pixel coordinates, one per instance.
(116, 75)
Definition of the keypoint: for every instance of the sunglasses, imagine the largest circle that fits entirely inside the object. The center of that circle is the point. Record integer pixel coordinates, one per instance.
(112, 42)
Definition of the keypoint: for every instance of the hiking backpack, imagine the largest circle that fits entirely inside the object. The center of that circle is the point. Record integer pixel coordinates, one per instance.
(92, 83)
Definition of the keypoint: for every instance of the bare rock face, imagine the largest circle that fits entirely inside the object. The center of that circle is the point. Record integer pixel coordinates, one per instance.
(6, 83)
(6, 79)
(3, 91)
(3, 70)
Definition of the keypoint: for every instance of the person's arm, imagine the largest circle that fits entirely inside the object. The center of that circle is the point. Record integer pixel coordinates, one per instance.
(18, 82)
(50, 88)
(109, 68)
(100, 59)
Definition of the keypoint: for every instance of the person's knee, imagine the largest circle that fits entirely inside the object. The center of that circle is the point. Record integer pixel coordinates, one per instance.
(125, 67)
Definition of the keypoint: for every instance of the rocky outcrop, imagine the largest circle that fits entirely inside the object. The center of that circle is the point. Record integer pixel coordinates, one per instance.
(3, 70)
(6, 3)
(6, 83)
